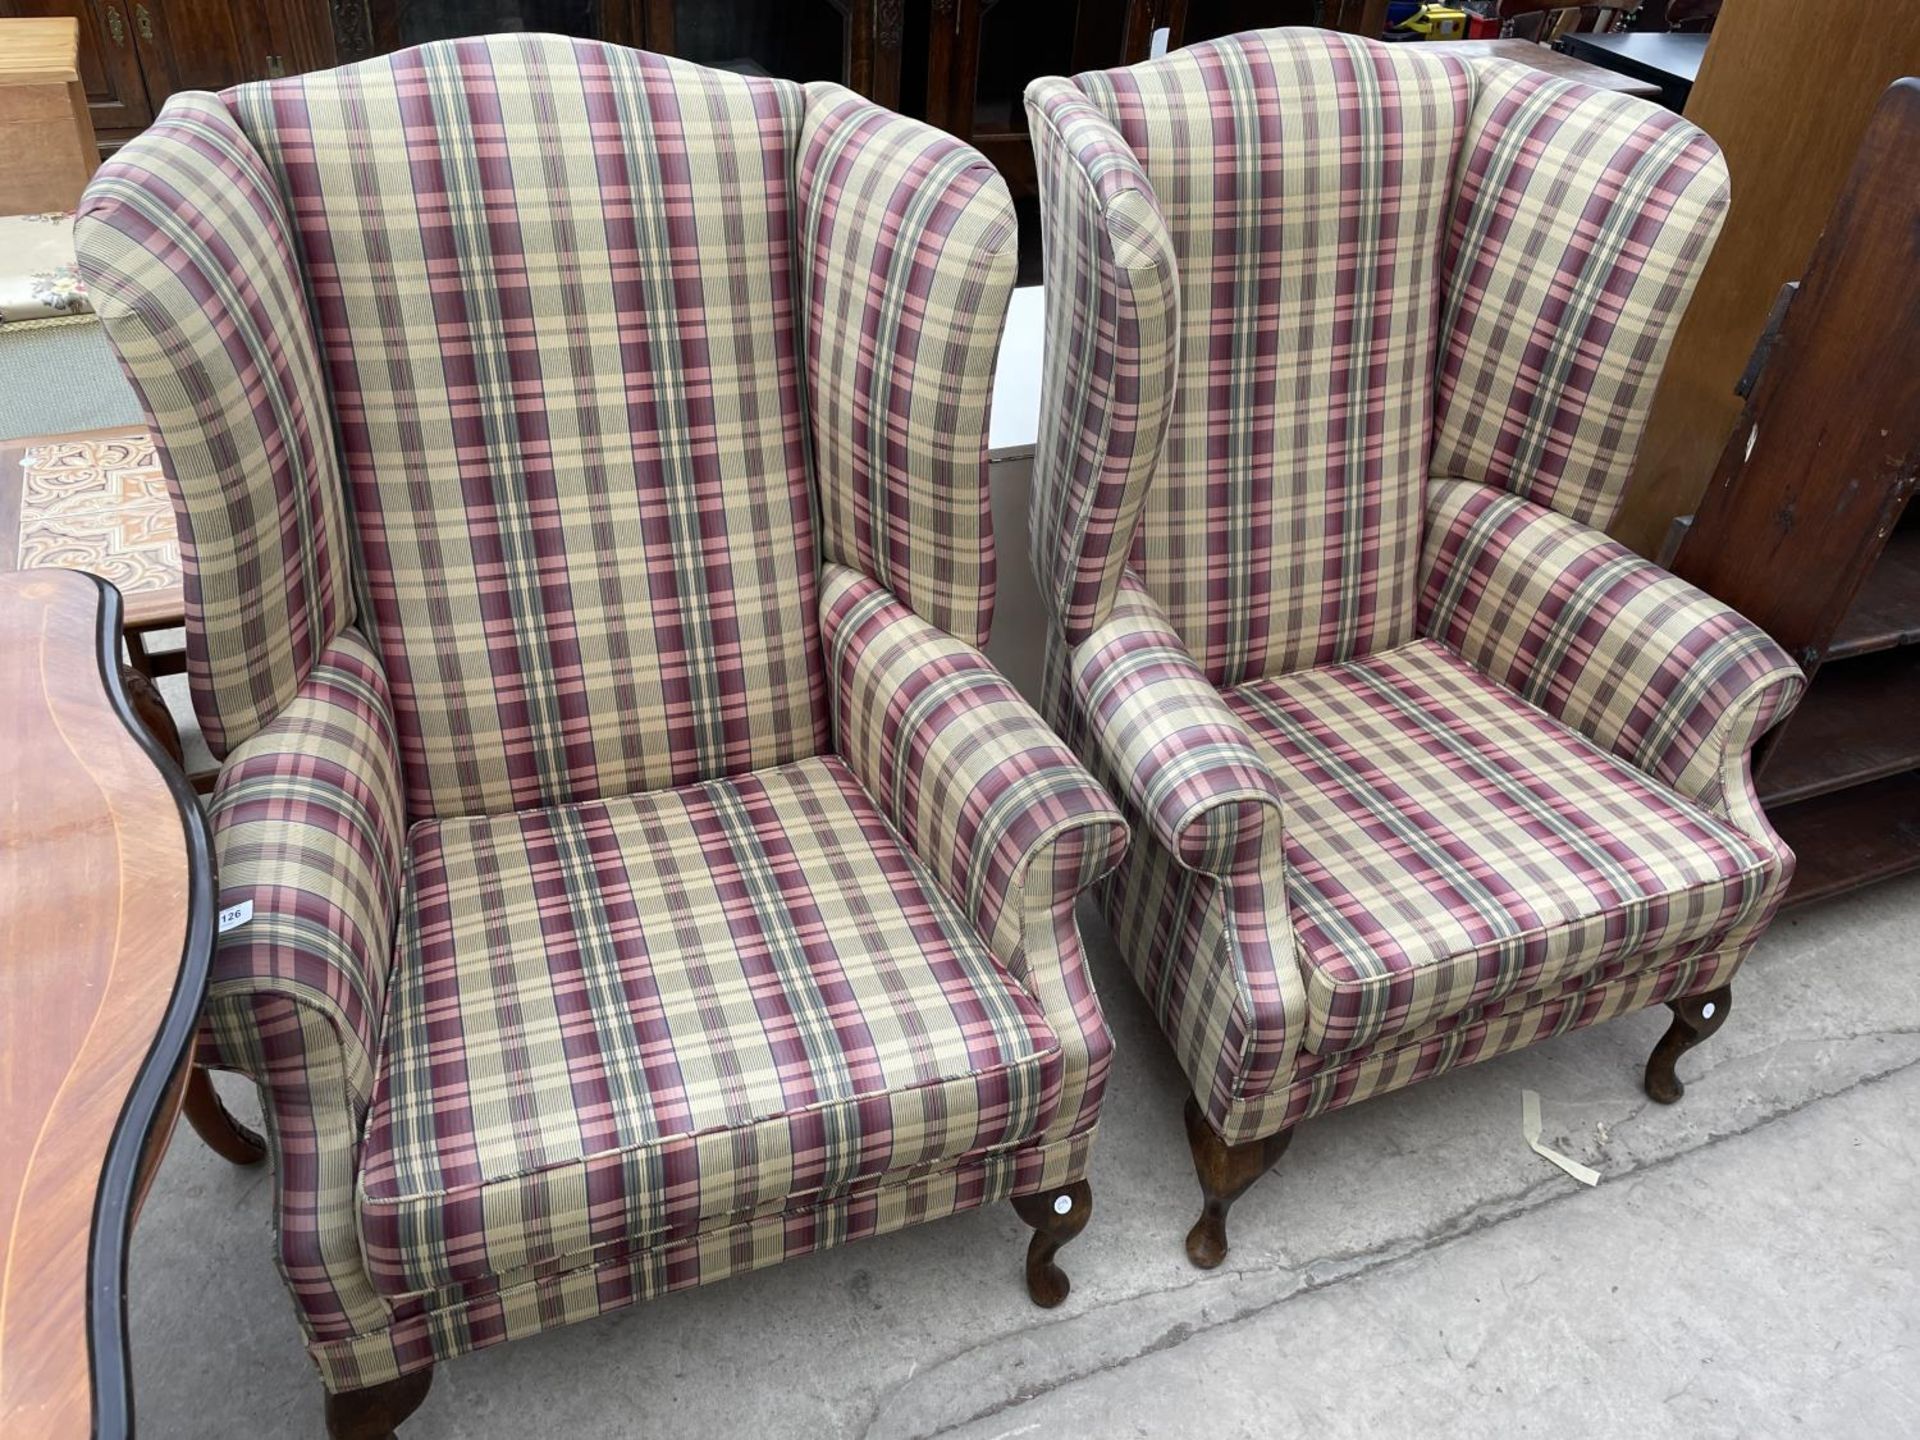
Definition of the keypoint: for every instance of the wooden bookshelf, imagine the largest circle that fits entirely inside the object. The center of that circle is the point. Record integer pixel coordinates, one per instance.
(1807, 527)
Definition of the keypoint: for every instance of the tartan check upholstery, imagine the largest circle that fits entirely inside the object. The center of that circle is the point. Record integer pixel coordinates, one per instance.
(583, 461)
(1640, 662)
(576, 457)
(1581, 221)
(620, 1021)
(1447, 844)
(1111, 308)
(1304, 179)
(990, 800)
(194, 275)
(1422, 767)
(905, 237)
(309, 825)
(1165, 736)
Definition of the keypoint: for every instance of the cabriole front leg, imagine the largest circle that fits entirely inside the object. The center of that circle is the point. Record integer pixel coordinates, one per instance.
(1056, 1216)
(1226, 1172)
(1694, 1018)
(377, 1411)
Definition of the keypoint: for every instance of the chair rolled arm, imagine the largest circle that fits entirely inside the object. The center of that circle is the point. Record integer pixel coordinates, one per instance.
(1639, 661)
(308, 826)
(957, 760)
(1170, 747)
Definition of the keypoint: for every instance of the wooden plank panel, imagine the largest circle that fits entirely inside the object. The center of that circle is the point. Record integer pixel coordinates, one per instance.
(1852, 838)
(1856, 724)
(47, 152)
(1786, 89)
(1886, 612)
(1813, 481)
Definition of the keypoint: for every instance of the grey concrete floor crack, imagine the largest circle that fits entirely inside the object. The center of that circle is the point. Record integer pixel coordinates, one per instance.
(1325, 1272)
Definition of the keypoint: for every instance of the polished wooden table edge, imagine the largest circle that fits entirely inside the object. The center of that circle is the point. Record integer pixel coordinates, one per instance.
(146, 1118)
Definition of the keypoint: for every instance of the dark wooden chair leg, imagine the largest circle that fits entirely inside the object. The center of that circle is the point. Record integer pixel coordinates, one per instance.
(1056, 1217)
(151, 707)
(214, 1123)
(1226, 1172)
(1694, 1019)
(377, 1411)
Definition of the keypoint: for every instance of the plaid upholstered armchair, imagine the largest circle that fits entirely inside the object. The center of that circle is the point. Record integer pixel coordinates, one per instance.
(579, 458)
(1349, 349)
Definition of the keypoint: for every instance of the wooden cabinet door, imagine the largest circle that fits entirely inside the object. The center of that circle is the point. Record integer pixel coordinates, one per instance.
(982, 54)
(856, 42)
(201, 44)
(109, 61)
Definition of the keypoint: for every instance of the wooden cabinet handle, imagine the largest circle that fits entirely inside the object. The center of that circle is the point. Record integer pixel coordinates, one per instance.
(143, 22)
(116, 27)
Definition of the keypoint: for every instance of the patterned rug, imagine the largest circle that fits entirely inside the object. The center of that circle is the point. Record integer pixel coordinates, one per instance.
(100, 505)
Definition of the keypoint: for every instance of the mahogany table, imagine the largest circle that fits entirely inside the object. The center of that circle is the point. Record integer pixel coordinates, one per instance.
(106, 934)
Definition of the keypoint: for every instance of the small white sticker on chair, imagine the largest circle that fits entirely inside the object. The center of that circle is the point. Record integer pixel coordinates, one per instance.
(1530, 1128)
(1062, 1204)
(234, 916)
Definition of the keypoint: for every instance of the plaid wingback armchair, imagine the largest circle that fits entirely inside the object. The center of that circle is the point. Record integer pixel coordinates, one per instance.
(580, 466)
(1349, 347)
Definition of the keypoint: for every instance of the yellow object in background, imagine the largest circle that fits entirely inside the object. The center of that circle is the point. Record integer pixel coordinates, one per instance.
(1436, 22)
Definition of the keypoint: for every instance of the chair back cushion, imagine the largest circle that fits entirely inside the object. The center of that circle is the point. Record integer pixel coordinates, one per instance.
(1582, 221)
(553, 289)
(1304, 178)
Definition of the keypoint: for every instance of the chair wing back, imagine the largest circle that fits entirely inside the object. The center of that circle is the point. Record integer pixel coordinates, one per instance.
(1304, 178)
(1106, 392)
(1580, 227)
(907, 255)
(186, 249)
(553, 284)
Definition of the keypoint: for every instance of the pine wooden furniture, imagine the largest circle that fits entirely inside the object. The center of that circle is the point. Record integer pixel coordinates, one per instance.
(46, 132)
(134, 54)
(106, 928)
(1808, 528)
(1422, 768)
(650, 878)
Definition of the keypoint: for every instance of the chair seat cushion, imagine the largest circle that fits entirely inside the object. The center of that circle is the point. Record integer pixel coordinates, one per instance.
(1448, 844)
(616, 1022)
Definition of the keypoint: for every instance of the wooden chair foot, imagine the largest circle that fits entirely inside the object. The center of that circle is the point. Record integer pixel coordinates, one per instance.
(214, 1123)
(1694, 1018)
(1225, 1172)
(1056, 1217)
(377, 1411)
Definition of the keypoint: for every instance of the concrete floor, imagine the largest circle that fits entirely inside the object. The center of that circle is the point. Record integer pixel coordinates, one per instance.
(1747, 1265)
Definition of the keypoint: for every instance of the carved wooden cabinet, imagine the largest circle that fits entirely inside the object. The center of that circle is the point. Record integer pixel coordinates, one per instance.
(856, 42)
(980, 55)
